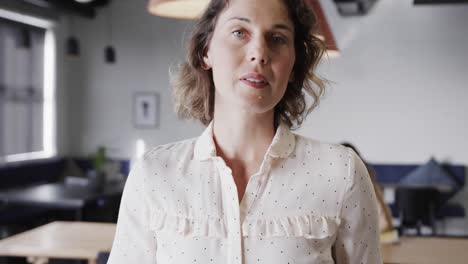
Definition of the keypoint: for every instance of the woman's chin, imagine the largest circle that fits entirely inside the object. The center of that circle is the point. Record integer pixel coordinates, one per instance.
(257, 105)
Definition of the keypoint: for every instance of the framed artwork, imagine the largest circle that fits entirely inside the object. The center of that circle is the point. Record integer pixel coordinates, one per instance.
(146, 110)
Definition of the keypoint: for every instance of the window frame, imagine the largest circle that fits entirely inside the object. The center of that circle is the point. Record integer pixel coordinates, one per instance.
(49, 87)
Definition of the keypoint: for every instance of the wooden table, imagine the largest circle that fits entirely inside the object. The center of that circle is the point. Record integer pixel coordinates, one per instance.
(419, 250)
(66, 240)
(84, 240)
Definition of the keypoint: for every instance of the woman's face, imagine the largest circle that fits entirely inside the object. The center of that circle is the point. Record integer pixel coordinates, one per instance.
(251, 55)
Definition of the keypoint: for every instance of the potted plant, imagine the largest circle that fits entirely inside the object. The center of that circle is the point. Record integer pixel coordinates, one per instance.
(97, 176)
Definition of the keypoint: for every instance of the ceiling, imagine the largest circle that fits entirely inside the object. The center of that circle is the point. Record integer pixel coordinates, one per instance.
(346, 7)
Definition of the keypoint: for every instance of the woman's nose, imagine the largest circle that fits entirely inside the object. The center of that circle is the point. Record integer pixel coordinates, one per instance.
(259, 53)
(260, 59)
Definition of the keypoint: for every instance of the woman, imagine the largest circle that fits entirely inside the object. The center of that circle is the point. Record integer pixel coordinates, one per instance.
(248, 190)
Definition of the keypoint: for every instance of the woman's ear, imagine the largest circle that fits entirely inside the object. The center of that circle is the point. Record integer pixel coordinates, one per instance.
(206, 62)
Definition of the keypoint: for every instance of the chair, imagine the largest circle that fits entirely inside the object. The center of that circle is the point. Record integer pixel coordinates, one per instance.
(417, 207)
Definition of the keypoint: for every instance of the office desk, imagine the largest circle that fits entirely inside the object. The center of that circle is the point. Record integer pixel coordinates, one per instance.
(66, 240)
(61, 196)
(431, 250)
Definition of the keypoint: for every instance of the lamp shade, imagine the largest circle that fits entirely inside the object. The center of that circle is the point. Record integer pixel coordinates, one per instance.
(183, 9)
(324, 31)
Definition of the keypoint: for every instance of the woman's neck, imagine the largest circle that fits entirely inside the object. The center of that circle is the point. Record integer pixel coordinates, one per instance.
(243, 136)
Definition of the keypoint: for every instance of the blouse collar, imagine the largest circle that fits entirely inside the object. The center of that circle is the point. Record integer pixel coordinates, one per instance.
(282, 145)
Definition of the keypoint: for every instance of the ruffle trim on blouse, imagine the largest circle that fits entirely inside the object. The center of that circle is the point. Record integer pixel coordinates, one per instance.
(205, 226)
(308, 226)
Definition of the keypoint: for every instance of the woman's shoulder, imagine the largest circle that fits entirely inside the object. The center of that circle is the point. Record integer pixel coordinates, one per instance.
(330, 158)
(169, 151)
(321, 148)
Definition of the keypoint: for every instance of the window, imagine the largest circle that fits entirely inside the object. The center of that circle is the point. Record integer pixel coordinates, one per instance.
(27, 101)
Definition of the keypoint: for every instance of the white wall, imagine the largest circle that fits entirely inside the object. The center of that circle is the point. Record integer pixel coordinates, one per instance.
(400, 85)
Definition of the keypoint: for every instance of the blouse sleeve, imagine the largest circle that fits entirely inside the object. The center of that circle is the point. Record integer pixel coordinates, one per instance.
(358, 238)
(134, 242)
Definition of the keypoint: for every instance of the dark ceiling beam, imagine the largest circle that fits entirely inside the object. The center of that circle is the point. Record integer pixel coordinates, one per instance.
(73, 7)
(28, 8)
(433, 2)
(87, 10)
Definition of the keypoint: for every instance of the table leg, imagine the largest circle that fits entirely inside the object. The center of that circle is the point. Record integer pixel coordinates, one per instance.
(38, 260)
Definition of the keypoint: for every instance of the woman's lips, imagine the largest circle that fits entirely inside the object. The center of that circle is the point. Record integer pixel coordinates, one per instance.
(254, 80)
(257, 85)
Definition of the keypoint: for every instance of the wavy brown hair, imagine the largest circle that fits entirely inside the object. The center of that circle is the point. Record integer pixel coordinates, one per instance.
(193, 87)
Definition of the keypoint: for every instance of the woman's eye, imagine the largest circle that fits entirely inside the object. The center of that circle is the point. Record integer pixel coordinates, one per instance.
(239, 34)
(279, 40)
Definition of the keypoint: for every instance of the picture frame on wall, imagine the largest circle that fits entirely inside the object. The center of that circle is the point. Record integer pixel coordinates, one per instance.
(146, 109)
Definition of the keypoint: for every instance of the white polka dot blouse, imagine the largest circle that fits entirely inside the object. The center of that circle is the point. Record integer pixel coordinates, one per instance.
(310, 202)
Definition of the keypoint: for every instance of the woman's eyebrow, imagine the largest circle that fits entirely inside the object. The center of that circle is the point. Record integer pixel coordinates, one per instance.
(276, 26)
(283, 26)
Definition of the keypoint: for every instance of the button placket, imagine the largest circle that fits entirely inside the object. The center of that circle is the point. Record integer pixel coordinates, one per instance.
(254, 187)
(231, 205)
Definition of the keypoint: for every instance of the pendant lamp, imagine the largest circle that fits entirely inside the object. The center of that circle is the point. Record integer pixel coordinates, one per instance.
(110, 56)
(192, 9)
(324, 31)
(72, 45)
(182, 9)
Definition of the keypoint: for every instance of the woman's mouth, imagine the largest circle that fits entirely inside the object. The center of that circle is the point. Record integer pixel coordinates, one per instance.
(254, 80)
